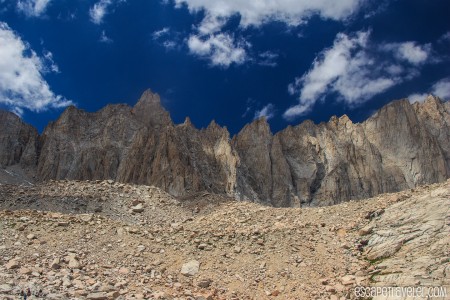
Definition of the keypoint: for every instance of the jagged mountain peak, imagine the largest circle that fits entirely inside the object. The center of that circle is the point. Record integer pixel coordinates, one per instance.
(433, 98)
(188, 122)
(432, 103)
(259, 125)
(214, 126)
(399, 147)
(149, 97)
(69, 109)
(150, 111)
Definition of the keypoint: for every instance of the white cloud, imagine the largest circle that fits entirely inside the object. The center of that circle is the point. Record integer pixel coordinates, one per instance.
(409, 51)
(220, 49)
(211, 24)
(267, 111)
(22, 85)
(268, 59)
(52, 66)
(217, 13)
(104, 38)
(296, 110)
(159, 33)
(169, 45)
(32, 8)
(332, 65)
(440, 89)
(247, 110)
(417, 97)
(395, 69)
(167, 38)
(445, 37)
(99, 10)
(249, 107)
(255, 13)
(356, 71)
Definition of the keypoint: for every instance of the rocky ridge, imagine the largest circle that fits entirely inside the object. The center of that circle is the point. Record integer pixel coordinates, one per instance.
(107, 240)
(401, 146)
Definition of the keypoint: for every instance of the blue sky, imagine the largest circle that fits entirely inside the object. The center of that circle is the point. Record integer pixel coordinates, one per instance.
(228, 60)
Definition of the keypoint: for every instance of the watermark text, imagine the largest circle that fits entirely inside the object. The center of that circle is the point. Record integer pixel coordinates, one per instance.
(425, 292)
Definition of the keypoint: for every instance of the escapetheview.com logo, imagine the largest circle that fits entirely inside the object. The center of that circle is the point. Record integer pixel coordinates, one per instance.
(419, 292)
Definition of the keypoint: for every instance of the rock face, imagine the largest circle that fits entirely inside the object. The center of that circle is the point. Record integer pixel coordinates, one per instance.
(400, 147)
(403, 145)
(421, 226)
(18, 141)
(139, 145)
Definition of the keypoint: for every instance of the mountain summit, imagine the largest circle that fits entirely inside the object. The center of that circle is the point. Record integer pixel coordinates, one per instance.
(401, 146)
(149, 110)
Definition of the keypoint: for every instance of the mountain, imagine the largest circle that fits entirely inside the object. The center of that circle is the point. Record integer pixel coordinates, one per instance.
(401, 146)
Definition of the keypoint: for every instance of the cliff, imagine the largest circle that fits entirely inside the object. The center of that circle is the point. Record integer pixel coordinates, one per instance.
(401, 146)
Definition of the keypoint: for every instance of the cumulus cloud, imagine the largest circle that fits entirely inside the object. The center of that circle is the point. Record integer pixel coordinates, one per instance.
(256, 13)
(409, 51)
(221, 49)
(99, 10)
(417, 97)
(211, 24)
(355, 71)
(267, 111)
(441, 89)
(217, 13)
(32, 8)
(22, 85)
(340, 63)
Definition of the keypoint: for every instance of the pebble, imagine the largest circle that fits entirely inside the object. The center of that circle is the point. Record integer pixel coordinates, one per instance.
(204, 283)
(138, 208)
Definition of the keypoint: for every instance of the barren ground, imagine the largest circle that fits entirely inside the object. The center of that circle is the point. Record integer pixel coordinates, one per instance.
(105, 240)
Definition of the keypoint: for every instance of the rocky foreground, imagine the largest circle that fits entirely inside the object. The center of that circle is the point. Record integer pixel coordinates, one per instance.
(105, 240)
